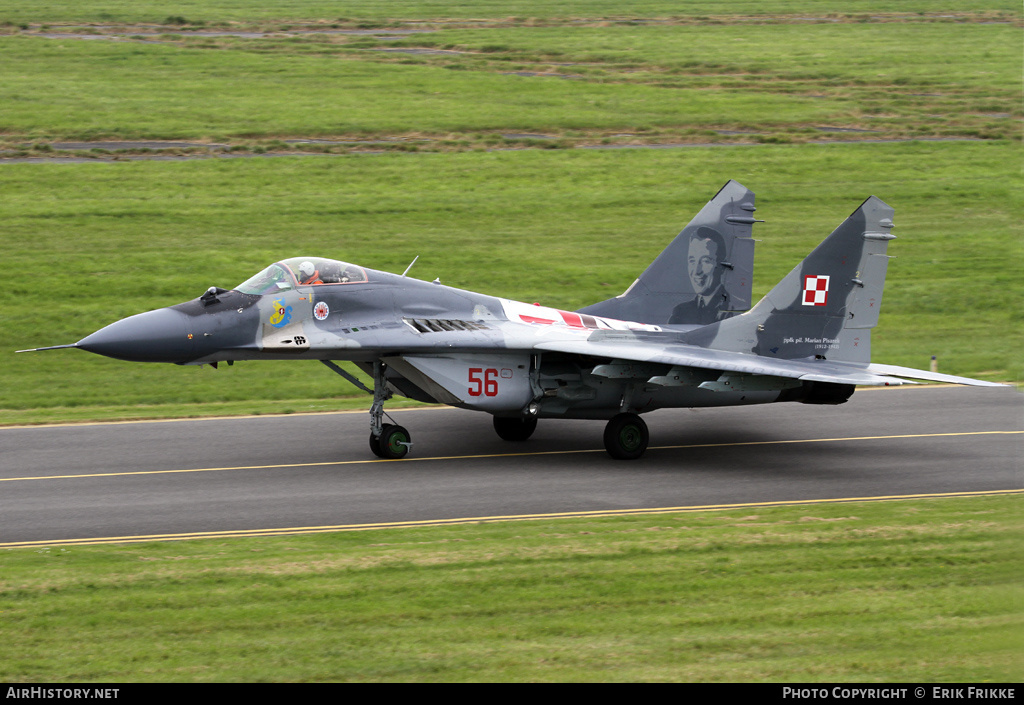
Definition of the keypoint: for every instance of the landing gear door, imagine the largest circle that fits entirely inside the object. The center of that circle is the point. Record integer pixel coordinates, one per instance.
(492, 382)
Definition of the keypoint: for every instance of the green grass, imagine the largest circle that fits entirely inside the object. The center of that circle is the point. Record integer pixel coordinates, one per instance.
(903, 78)
(657, 82)
(865, 592)
(898, 53)
(368, 10)
(89, 90)
(91, 243)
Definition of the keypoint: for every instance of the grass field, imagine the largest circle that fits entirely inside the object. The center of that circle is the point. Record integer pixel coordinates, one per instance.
(369, 11)
(83, 90)
(896, 592)
(462, 85)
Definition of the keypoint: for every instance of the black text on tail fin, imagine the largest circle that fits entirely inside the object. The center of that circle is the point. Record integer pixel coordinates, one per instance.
(824, 308)
(704, 274)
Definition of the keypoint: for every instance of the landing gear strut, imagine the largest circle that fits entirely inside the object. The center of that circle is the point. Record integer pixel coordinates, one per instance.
(389, 441)
(386, 440)
(626, 437)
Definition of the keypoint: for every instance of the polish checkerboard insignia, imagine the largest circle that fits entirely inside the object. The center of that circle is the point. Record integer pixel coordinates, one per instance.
(815, 290)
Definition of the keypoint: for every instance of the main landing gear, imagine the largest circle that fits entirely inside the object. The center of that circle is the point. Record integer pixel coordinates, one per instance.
(515, 428)
(626, 437)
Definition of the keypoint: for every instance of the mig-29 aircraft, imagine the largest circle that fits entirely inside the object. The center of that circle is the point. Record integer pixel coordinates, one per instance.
(680, 336)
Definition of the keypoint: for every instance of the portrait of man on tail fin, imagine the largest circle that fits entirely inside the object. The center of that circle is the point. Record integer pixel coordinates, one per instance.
(706, 252)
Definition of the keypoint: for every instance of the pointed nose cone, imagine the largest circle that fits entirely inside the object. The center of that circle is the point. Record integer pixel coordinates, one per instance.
(156, 336)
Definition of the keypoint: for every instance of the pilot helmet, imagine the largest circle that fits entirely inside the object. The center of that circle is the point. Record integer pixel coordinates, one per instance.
(306, 270)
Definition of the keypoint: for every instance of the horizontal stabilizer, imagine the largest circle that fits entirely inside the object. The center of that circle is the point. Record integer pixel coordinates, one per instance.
(911, 373)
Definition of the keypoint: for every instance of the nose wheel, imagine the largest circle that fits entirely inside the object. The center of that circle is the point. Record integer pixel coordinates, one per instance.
(393, 442)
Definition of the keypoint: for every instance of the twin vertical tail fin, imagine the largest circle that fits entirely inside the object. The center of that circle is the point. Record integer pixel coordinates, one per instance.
(704, 274)
(826, 307)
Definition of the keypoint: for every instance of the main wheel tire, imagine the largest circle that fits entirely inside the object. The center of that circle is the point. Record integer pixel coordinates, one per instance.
(394, 442)
(626, 437)
(515, 429)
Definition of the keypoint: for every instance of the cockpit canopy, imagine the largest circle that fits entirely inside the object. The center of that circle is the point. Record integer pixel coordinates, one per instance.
(302, 271)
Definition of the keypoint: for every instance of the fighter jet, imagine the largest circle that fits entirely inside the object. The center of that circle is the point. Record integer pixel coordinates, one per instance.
(683, 335)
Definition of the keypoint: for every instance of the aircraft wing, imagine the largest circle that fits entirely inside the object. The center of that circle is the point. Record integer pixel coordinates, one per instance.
(633, 348)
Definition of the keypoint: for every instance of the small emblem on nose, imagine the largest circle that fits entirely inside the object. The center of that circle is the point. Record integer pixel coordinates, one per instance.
(282, 314)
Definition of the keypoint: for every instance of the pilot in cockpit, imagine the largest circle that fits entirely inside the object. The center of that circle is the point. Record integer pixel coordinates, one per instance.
(308, 274)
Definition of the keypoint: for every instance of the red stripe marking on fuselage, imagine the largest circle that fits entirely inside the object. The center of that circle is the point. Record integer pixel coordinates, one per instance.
(535, 319)
(572, 320)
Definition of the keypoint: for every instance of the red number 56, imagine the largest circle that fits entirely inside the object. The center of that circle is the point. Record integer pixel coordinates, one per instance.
(488, 386)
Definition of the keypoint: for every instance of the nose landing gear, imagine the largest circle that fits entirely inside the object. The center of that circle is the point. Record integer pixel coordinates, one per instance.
(389, 441)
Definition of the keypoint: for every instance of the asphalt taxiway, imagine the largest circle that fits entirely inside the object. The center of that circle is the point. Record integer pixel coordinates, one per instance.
(271, 474)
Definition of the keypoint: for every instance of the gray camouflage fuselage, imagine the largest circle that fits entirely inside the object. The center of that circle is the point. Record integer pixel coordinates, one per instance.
(430, 336)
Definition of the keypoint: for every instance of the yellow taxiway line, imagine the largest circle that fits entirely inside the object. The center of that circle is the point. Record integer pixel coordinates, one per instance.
(291, 531)
(502, 455)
